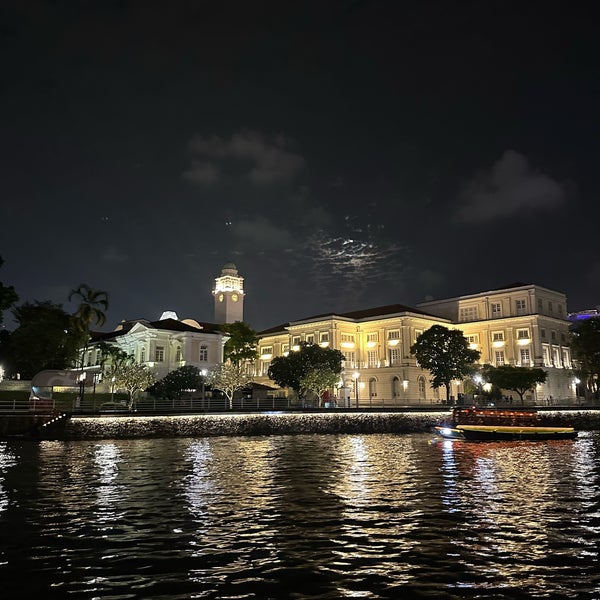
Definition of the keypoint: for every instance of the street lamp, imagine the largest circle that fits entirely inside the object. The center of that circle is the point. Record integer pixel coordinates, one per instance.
(356, 376)
(112, 390)
(81, 390)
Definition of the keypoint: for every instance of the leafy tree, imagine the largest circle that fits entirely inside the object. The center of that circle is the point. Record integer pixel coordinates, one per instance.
(228, 378)
(8, 296)
(516, 379)
(44, 338)
(133, 377)
(319, 380)
(445, 353)
(113, 357)
(585, 345)
(291, 370)
(242, 343)
(178, 382)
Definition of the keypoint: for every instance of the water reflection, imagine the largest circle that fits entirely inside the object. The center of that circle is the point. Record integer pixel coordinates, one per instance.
(306, 516)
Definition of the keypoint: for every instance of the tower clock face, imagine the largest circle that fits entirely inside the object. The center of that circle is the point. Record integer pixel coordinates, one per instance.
(234, 297)
(220, 297)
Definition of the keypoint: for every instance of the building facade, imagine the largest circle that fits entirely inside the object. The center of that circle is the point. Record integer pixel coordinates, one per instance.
(520, 325)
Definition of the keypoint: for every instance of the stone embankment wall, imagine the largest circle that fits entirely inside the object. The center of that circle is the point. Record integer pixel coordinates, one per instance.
(119, 427)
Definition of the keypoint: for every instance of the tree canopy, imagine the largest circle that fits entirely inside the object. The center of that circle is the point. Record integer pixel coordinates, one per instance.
(295, 370)
(8, 296)
(228, 378)
(585, 345)
(242, 343)
(91, 307)
(44, 338)
(176, 384)
(133, 377)
(516, 379)
(445, 353)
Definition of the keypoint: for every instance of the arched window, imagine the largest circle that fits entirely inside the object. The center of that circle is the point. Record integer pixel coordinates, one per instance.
(178, 355)
(143, 355)
(396, 387)
(372, 387)
(421, 388)
(203, 353)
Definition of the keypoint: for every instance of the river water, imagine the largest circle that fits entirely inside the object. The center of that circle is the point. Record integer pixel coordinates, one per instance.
(299, 517)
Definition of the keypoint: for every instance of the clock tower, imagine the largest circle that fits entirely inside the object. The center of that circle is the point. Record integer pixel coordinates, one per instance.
(229, 295)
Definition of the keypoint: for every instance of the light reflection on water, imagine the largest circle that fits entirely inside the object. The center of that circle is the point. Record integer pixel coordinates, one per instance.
(306, 516)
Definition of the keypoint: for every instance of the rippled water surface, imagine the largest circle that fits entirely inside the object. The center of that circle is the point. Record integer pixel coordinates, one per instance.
(307, 516)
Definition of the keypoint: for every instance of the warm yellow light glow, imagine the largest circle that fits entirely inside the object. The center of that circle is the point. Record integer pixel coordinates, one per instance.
(347, 344)
(523, 341)
(405, 384)
(473, 346)
(286, 353)
(266, 356)
(355, 375)
(371, 344)
(498, 343)
(324, 344)
(295, 348)
(393, 342)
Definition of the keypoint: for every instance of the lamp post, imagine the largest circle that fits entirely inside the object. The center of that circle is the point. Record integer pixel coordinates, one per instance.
(356, 376)
(112, 390)
(81, 390)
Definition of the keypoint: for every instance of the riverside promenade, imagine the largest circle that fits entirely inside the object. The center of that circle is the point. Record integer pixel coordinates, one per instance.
(135, 425)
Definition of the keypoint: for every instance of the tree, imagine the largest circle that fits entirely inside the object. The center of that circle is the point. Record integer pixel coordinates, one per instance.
(90, 311)
(242, 343)
(8, 296)
(45, 338)
(319, 380)
(178, 382)
(516, 379)
(133, 377)
(228, 378)
(585, 345)
(290, 371)
(445, 353)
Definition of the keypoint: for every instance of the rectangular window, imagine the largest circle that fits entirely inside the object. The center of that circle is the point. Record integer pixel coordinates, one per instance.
(540, 305)
(522, 334)
(348, 337)
(468, 313)
(350, 360)
(550, 307)
(499, 357)
(372, 337)
(159, 355)
(560, 309)
(566, 358)
(525, 357)
(473, 338)
(285, 349)
(310, 338)
(556, 356)
(394, 334)
(496, 310)
(324, 337)
(553, 336)
(498, 336)
(203, 353)
(418, 332)
(543, 333)
(521, 307)
(143, 355)
(373, 358)
(296, 340)
(266, 352)
(546, 355)
(178, 355)
(394, 356)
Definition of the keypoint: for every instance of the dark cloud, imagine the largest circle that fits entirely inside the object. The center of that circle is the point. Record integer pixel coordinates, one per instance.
(510, 188)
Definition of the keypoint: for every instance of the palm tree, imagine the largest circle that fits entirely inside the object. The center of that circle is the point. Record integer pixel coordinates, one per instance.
(90, 311)
(91, 308)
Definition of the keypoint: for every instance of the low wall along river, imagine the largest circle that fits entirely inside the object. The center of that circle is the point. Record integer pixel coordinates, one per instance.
(237, 424)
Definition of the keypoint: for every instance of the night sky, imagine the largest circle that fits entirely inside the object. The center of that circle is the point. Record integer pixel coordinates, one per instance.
(344, 154)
